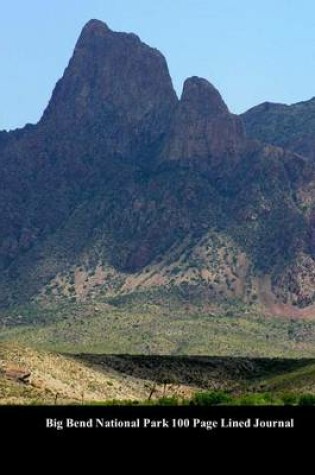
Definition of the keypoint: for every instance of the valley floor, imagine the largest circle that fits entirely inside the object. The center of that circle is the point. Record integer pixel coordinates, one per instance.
(139, 327)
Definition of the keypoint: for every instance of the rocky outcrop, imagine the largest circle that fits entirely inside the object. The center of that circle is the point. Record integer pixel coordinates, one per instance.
(202, 127)
(116, 87)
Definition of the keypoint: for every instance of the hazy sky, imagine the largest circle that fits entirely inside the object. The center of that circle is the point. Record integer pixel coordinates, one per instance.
(251, 50)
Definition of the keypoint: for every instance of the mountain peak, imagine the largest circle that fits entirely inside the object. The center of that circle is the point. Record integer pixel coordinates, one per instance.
(203, 96)
(93, 30)
(114, 82)
(203, 128)
(95, 27)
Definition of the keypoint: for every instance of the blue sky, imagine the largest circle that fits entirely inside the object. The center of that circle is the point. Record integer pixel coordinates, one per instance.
(251, 50)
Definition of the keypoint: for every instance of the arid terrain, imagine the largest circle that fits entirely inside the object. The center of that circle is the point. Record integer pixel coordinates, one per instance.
(155, 246)
(29, 376)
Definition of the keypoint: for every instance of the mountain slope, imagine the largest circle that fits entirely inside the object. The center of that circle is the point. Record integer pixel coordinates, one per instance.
(55, 378)
(291, 127)
(122, 187)
(110, 109)
(87, 379)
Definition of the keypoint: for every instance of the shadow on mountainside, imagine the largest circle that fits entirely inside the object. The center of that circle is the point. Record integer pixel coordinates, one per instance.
(200, 371)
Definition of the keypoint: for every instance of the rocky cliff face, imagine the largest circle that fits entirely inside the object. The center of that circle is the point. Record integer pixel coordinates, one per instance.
(118, 82)
(291, 127)
(202, 127)
(122, 187)
(109, 112)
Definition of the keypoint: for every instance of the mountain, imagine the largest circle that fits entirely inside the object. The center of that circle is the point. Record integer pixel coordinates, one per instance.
(123, 188)
(113, 104)
(291, 127)
(203, 129)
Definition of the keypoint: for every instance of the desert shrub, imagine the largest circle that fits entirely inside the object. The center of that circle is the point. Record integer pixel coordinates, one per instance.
(168, 401)
(256, 399)
(211, 398)
(307, 400)
(289, 399)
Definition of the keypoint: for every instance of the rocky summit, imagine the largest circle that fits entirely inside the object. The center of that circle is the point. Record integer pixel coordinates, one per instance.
(123, 188)
(203, 128)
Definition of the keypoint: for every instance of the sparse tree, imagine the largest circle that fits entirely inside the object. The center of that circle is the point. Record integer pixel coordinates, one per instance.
(152, 391)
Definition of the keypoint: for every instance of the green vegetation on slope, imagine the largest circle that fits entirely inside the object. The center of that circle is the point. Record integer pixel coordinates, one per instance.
(143, 328)
(166, 380)
(291, 127)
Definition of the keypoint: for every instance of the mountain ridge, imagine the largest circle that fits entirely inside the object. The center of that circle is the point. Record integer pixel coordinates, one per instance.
(121, 186)
(288, 126)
